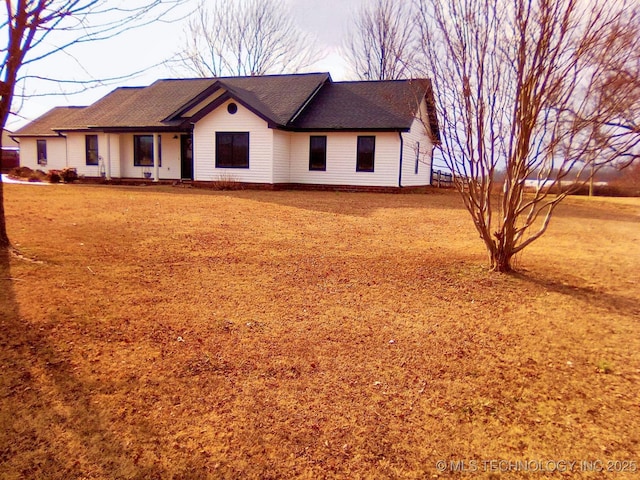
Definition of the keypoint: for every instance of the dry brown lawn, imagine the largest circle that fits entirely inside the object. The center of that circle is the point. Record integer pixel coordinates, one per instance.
(176, 333)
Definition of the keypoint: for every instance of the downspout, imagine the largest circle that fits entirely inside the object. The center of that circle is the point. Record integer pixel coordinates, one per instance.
(401, 151)
(193, 151)
(66, 150)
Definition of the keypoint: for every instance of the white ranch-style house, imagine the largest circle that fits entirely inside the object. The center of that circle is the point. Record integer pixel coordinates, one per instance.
(274, 130)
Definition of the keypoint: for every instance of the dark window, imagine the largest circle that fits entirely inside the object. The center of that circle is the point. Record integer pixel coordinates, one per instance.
(366, 153)
(42, 151)
(232, 108)
(91, 148)
(232, 149)
(417, 156)
(143, 150)
(317, 152)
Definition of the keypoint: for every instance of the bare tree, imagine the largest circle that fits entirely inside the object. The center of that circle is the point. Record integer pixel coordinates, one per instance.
(382, 44)
(252, 37)
(36, 29)
(537, 88)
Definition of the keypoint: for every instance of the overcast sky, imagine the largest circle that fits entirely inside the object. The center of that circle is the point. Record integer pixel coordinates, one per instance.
(327, 20)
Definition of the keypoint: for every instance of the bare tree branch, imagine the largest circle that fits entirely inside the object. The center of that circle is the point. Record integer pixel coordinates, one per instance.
(254, 37)
(383, 44)
(37, 29)
(545, 89)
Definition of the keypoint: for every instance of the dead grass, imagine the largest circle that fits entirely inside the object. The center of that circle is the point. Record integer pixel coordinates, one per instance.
(176, 333)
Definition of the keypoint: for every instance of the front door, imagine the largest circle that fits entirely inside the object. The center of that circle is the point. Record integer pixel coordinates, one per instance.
(186, 155)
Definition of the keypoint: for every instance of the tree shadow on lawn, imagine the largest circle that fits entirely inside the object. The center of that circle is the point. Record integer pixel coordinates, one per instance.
(364, 203)
(598, 209)
(357, 204)
(50, 425)
(628, 306)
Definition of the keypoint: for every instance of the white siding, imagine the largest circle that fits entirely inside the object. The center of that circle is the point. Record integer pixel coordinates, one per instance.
(70, 151)
(417, 147)
(281, 156)
(76, 148)
(56, 153)
(170, 168)
(341, 160)
(261, 147)
(111, 155)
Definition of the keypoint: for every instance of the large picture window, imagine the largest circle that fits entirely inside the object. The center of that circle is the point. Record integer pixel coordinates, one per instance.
(317, 152)
(143, 150)
(366, 153)
(41, 146)
(232, 149)
(91, 149)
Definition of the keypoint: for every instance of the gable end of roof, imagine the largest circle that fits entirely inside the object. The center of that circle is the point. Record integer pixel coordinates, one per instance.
(200, 97)
(228, 95)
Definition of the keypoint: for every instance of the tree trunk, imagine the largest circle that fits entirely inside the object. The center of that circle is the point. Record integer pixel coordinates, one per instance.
(500, 259)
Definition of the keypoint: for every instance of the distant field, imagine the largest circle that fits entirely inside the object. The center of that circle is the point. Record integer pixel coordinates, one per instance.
(178, 333)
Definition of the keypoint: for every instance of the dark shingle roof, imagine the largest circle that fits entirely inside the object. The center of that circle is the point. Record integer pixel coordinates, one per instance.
(382, 105)
(44, 125)
(295, 102)
(277, 97)
(143, 106)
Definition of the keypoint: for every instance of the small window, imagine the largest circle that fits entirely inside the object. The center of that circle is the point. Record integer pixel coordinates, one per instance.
(232, 108)
(41, 146)
(317, 153)
(366, 153)
(232, 149)
(91, 149)
(143, 150)
(417, 156)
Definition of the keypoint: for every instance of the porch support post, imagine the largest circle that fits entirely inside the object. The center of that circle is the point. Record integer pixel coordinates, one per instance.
(108, 156)
(156, 157)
